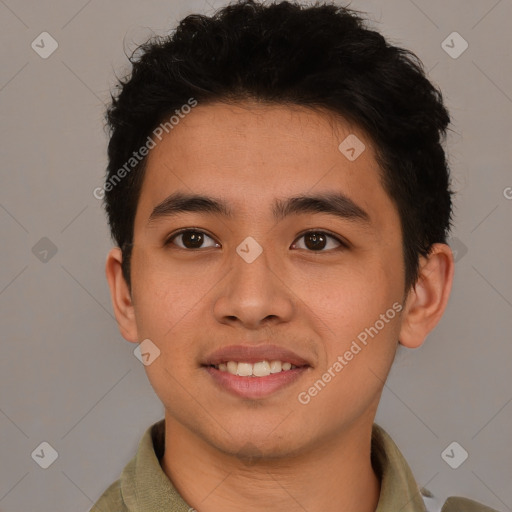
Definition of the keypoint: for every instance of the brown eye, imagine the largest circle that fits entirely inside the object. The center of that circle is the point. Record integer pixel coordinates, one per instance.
(190, 239)
(316, 241)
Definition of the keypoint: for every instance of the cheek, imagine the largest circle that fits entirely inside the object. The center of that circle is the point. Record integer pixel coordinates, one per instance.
(160, 299)
(350, 298)
(350, 379)
(357, 309)
(170, 310)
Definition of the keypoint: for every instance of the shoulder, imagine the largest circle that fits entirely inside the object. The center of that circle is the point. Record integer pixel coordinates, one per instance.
(110, 500)
(460, 504)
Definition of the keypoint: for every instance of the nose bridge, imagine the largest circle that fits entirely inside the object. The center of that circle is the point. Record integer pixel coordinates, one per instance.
(252, 265)
(253, 290)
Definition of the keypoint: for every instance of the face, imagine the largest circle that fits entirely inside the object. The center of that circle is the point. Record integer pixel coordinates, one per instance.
(322, 284)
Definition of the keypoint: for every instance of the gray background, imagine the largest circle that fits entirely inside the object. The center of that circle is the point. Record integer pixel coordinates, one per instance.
(67, 376)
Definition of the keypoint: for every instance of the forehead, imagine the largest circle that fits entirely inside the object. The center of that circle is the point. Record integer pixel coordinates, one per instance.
(251, 153)
(258, 131)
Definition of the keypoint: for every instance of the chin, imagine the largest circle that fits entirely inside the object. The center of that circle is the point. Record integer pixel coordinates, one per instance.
(250, 446)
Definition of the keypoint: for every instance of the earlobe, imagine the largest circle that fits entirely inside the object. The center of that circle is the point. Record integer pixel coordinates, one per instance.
(120, 295)
(427, 300)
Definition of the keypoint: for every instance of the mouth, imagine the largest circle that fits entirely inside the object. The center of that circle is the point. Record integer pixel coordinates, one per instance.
(254, 371)
(259, 369)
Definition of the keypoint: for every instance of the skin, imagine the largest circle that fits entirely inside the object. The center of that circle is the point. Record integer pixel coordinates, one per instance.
(225, 453)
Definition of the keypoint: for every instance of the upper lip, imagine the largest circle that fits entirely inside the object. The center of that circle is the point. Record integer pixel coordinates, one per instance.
(254, 354)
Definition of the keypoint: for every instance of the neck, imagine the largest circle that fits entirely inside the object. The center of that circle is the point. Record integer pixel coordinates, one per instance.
(332, 477)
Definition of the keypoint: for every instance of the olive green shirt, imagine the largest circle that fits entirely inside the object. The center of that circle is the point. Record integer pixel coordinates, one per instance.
(144, 487)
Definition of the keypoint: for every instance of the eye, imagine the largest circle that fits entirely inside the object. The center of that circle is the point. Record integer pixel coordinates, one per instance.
(317, 240)
(191, 239)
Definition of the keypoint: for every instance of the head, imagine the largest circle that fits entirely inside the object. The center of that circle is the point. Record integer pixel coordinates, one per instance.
(283, 113)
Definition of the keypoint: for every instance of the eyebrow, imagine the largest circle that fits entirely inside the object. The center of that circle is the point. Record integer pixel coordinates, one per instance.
(336, 204)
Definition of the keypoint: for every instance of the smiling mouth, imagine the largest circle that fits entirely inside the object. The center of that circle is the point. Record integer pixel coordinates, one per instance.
(259, 369)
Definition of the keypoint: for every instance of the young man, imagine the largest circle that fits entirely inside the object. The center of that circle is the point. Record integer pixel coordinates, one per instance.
(279, 195)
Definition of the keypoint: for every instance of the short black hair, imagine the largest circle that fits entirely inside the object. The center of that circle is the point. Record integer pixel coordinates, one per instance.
(320, 56)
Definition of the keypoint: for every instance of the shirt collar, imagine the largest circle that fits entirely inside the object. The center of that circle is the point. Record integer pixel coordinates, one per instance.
(146, 488)
(399, 491)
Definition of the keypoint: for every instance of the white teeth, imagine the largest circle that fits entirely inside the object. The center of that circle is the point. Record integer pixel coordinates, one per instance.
(260, 369)
(232, 367)
(244, 369)
(275, 366)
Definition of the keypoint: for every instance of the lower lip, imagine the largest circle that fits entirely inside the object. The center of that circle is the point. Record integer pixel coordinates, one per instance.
(254, 387)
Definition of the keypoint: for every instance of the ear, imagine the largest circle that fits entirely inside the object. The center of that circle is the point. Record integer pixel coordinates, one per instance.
(426, 301)
(120, 295)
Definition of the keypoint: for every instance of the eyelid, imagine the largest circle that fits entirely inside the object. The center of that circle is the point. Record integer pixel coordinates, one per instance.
(342, 241)
(174, 234)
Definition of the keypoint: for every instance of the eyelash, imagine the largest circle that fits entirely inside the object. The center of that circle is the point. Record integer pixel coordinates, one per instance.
(343, 244)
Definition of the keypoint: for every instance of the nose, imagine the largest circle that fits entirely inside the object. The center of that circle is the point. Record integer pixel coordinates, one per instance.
(255, 293)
